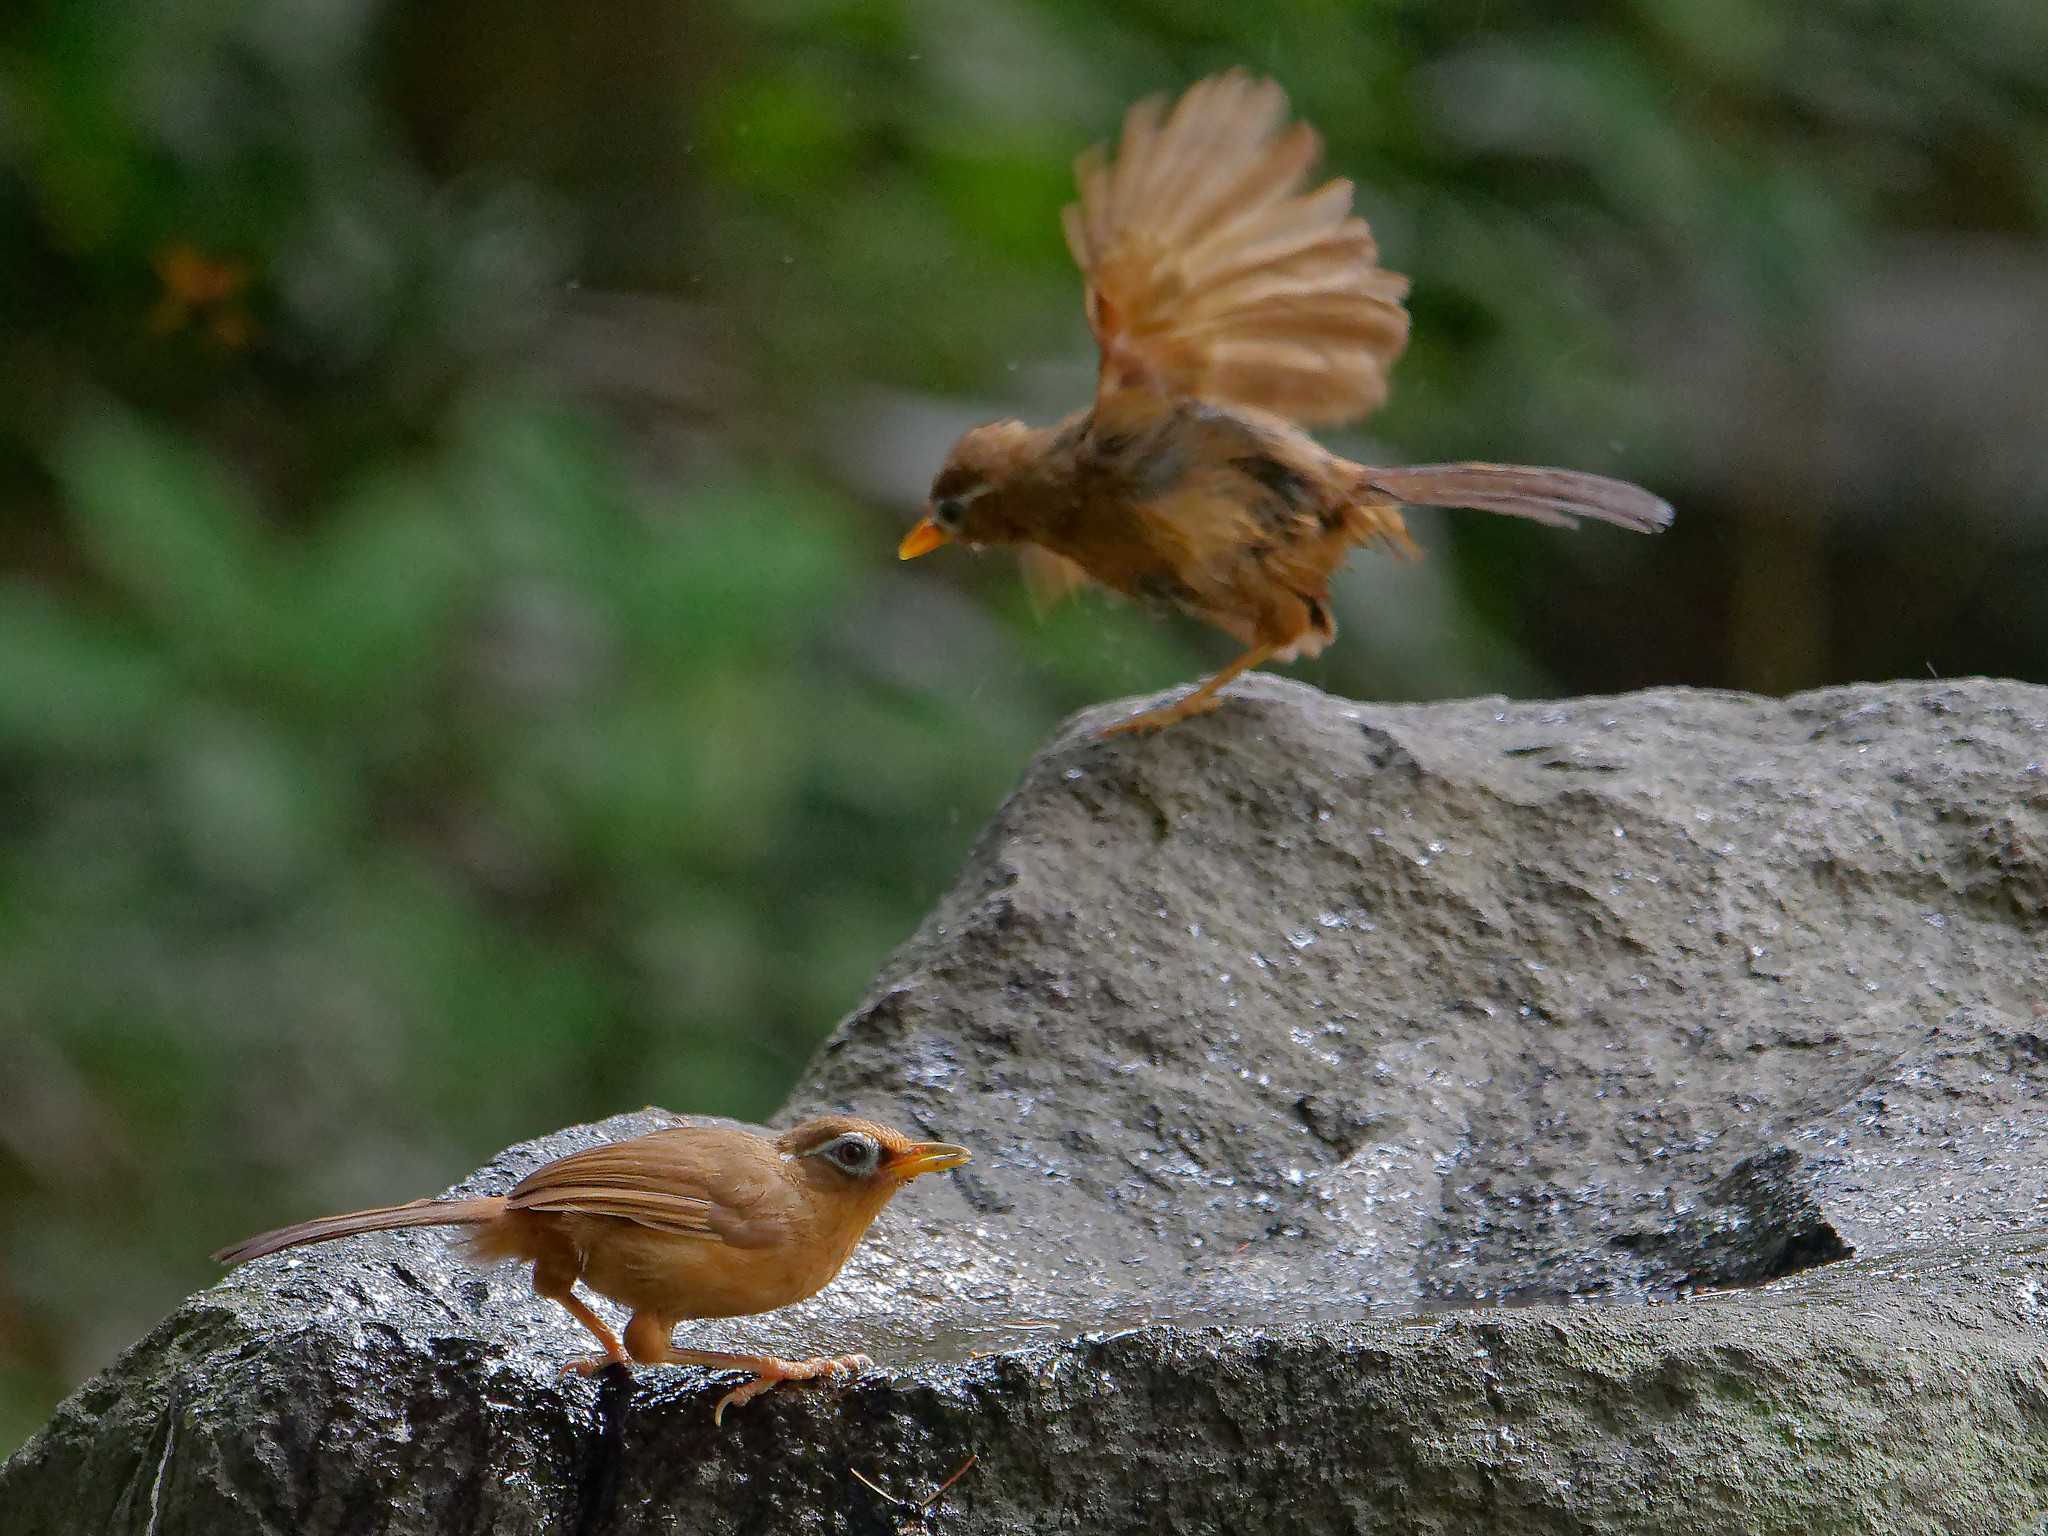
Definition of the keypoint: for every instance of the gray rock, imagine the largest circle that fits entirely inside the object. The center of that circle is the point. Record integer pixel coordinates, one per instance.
(1452, 1118)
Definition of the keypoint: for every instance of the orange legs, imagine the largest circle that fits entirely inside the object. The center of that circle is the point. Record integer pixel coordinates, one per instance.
(647, 1338)
(767, 1372)
(647, 1341)
(1199, 702)
(613, 1353)
(552, 1284)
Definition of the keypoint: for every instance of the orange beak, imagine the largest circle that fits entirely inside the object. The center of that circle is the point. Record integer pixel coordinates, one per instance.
(928, 1157)
(922, 540)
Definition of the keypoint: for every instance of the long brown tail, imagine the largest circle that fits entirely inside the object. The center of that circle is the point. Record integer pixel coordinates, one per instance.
(385, 1218)
(1559, 497)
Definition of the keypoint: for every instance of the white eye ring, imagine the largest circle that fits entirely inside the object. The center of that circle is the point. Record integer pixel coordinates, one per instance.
(947, 511)
(853, 1153)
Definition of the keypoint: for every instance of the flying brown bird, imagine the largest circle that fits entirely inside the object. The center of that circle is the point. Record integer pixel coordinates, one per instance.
(1232, 310)
(693, 1221)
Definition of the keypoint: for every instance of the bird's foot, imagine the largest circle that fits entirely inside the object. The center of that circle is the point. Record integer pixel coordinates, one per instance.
(1160, 716)
(770, 1372)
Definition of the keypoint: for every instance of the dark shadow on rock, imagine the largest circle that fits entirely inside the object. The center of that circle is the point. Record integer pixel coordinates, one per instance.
(598, 1480)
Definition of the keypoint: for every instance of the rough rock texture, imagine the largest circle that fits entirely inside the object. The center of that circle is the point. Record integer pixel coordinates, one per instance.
(1408, 1119)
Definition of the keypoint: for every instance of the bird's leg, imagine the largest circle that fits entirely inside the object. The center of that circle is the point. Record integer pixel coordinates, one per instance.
(647, 1340)
(1199, 702)
(767, 1371)
(556, 1280)
(614, 1351)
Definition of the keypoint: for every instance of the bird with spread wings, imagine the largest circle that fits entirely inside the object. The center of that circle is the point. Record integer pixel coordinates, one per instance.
(1233, 310)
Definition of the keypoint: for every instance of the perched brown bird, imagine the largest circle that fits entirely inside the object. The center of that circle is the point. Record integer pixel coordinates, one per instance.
(694, 1221)
(1232, 309)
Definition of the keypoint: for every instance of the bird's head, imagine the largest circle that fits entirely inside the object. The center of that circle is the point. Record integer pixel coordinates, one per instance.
(844, 1156)
(974, 496)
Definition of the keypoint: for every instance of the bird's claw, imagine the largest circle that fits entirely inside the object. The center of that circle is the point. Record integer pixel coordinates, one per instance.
(774, 1372)
(1160, 717)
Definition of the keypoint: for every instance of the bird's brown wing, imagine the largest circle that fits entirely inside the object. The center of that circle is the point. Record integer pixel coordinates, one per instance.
(679, 1181)
(1211, 273)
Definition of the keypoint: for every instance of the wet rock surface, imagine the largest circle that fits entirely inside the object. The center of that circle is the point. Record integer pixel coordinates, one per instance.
(1610, 1115)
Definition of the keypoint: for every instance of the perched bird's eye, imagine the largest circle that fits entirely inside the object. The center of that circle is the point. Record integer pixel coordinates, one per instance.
(947, 512)
(852, 1153)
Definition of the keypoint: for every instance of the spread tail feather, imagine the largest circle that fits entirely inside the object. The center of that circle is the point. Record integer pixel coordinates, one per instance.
(1559, 497)
(384, 1218)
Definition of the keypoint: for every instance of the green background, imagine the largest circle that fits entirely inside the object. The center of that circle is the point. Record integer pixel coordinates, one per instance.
(459, 682)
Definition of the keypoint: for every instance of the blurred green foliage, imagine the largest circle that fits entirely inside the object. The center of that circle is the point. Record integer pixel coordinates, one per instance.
(442, 697)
